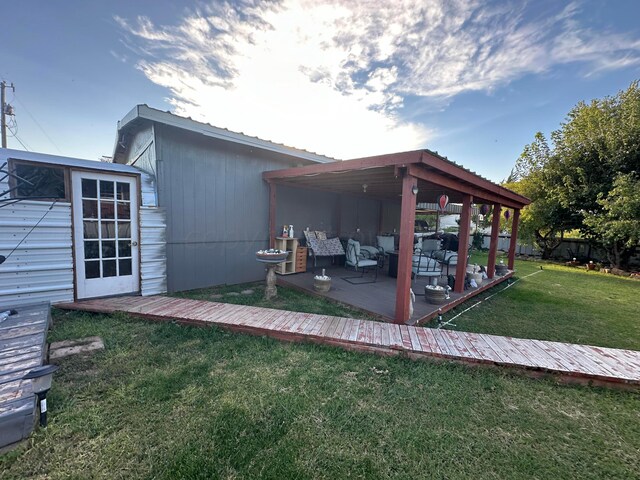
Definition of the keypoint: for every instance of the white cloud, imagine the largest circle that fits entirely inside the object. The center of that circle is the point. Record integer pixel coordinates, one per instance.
(332, 76)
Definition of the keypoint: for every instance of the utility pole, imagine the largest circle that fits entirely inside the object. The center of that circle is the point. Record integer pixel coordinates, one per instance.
(6, 110)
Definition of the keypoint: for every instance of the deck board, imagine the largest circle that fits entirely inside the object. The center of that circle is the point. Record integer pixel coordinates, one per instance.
(600, 365)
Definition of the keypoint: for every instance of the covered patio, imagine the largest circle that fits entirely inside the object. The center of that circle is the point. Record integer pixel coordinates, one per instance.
(406, 179)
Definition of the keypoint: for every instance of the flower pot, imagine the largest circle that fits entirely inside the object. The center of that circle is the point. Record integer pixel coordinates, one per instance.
(501, 270)
(436, 296)
(321, 286)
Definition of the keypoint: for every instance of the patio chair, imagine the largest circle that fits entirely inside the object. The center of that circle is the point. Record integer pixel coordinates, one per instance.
(386, 243)
(429, 246)
(447, 258)
(361, 260)
(423, 265)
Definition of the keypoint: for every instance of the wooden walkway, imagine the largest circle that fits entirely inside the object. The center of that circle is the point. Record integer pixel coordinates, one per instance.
(569, 362)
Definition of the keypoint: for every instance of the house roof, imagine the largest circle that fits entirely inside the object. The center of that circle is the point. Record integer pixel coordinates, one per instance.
(7, 153)
(144, 112)
(382, 176)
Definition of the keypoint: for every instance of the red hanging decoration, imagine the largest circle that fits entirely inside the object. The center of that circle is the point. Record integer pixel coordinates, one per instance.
(484, 209)
(507, 214)
(443, 201)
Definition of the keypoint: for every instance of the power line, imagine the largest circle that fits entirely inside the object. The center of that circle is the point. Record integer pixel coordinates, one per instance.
(15, 135)
(38, 124)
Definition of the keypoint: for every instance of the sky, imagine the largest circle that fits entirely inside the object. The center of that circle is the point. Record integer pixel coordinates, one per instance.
(473, 80)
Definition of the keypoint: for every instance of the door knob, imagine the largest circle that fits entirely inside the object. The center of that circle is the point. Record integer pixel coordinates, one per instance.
(133, 244)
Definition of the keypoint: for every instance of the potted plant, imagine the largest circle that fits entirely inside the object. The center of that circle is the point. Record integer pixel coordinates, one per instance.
(322, 283)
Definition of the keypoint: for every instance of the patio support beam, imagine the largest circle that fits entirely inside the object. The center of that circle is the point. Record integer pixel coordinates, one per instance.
(514, 239)
(272, 214)
(493, 245)
(407, 225)
(458, 186)
(463, 243)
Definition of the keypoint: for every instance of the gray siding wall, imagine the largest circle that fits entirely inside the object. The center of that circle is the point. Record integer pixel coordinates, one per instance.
(217, 208)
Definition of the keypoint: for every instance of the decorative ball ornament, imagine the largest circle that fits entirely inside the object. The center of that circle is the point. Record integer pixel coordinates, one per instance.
(443, 201)
(507, 214)
(484, 209)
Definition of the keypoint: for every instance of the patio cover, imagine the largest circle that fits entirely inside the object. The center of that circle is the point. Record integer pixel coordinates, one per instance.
(395, 176)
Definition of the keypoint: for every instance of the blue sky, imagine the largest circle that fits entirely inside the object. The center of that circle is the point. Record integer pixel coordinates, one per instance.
(473, 80)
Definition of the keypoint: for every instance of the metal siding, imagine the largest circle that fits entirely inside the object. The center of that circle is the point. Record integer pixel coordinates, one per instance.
(153, 251)
(217, 208)
(41, 269)
(306, 208)
(359, 212)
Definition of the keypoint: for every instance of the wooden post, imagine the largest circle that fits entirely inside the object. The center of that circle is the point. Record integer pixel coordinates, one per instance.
(514, 239)
(493, 246)
(272, 214)
(463, 243)
(405, 255)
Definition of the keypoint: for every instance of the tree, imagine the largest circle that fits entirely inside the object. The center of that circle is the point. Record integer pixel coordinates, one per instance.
(618, 224)
(544, 221)
(572, 181)
(599, 142)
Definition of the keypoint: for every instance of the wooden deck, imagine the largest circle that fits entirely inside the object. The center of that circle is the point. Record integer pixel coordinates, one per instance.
(22, 347)
(568, 362)
(379, 298)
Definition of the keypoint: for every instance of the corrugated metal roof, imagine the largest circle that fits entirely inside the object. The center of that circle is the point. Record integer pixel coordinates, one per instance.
(7, 153)
(145, 112)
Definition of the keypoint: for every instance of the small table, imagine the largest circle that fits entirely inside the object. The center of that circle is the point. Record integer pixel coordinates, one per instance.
(393, 263)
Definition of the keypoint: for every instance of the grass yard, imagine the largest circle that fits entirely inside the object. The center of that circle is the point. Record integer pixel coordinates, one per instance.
(168, 402)
(559, 303)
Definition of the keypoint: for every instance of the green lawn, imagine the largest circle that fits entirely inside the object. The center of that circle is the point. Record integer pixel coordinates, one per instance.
(558, 303)
(166, 401)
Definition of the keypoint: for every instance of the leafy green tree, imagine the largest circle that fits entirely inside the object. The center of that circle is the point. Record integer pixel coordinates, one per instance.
(618, 223)
(568, 183)
(545, 220)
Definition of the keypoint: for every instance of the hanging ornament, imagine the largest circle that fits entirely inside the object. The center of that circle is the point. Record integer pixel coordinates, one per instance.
(507, 214)
(484, 209)
(443, 201)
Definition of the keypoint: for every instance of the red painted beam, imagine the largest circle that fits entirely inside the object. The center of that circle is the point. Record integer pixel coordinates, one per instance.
(403, 158)
(407, 225)
(272, 214)
(449, 168)
(514, 239)
(493, 246)
(458, 186)
(463, 243)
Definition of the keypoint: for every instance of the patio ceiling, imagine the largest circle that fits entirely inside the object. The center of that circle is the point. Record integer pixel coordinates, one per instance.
(383, 177)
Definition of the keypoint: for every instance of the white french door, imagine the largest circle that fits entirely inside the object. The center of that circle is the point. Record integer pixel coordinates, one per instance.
(106, 238)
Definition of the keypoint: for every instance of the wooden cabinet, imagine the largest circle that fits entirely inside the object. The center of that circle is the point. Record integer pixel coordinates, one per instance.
(290, 245)
(301, 259)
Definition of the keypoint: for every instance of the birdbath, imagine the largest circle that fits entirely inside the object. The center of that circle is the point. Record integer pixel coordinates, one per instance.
(271, 258)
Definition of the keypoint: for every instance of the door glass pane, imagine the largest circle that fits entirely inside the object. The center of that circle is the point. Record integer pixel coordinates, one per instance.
(91, 249)
(89, 188)
(124, 210)
(124, 230)
(108, 229)
(106, 189)
(90, 209)
(124, 248)
(125, 267)
(106, 209)
(92, 269)
(90, 229)
(108, 268)
(108, 249)
(123, 191)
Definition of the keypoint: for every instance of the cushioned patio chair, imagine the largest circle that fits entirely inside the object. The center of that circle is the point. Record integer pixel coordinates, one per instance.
(361, 260)
(422, 265)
